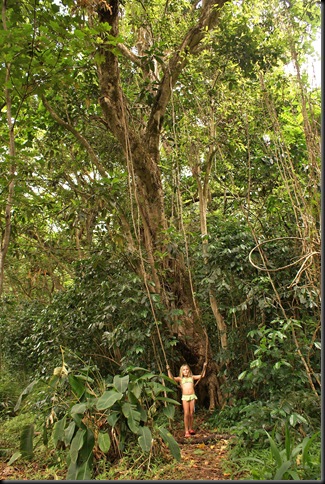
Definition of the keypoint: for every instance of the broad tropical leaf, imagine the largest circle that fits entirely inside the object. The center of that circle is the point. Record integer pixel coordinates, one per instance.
(145, 439)
(169, 411)
(282, 470)
(76, 444)
(77, 386)
(171, 442)
(275, 451)
(79, 408)
(132, 415)
(84, 472)
(58, 430)
(104, 441)
(23, 394)
(26, 441)
(68, 432)
(108, 399)
(121, 383)
(168, 400)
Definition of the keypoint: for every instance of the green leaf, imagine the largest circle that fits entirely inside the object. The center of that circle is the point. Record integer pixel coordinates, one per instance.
(86, 456)
(14, 457)
(147, 376)
(275, 451)
(143, 413)
(45, 435)
(121, 383)
(158, 388)
(79, 408)
(72, 471)
(68, 432)
(171, 442)
(242, 375)
(256, 363)
(145, 439)
(169, 411)
(77, 386)
(296, 450)
(282, 470)
(58, 430)
(26, 441)
(113, 418)
(104, 441)
(77, 417)
(108, 399)
(296, 417)
(76, 444)
(25, 392)
(84, 472)
(132, 415)
(293, 419)
(306, 443)
(294, 474)
(168, 400)
(287, 441)
(135, 388)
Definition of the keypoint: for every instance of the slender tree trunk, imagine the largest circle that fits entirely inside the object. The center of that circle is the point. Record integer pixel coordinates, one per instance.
(6, 229)
(203, 191)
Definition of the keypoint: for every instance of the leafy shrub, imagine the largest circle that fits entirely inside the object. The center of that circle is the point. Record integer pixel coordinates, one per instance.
(93, 418)
(276, 365)
(249, 420)
(10, 388)
(288, 460)
(105, 311)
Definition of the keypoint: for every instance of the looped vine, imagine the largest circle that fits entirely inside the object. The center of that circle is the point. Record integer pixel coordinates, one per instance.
(305, 258)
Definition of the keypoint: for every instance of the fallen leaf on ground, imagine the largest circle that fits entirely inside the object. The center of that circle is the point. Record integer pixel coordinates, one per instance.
(198, 452)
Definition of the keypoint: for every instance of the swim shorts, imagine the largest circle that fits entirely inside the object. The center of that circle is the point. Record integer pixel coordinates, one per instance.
(188, 398)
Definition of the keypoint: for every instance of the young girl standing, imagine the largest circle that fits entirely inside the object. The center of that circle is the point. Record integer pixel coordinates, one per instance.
(186, 380)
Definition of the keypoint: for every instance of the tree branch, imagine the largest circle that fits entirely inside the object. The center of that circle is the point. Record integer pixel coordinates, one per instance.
(208, 19)
(77, 135)
(130, 55)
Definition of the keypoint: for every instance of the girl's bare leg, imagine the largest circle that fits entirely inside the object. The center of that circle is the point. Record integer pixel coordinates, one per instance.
(191, 414)
(186, 409)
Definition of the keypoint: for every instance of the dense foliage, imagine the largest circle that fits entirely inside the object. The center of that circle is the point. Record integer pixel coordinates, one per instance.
(117, 232)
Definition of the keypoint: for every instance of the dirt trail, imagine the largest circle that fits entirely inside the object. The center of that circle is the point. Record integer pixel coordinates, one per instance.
(202, 454)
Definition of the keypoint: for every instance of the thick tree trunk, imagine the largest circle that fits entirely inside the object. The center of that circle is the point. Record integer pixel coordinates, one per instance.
(141, 148)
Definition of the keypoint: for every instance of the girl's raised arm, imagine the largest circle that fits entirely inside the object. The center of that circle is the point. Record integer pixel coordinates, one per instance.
(176, 378)
(198, 377)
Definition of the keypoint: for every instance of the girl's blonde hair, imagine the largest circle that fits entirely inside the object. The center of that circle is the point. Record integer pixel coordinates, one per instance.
(182, 368)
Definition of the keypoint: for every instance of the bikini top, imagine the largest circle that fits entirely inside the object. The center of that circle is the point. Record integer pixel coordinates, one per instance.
(188, 379)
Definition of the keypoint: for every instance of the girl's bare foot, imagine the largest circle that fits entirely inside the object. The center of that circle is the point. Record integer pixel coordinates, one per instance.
(187, 434)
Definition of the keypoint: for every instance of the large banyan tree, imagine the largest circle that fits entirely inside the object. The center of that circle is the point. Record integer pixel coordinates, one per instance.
(140, 139)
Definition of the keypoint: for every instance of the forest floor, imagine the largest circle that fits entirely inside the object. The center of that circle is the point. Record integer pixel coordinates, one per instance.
(203, 457)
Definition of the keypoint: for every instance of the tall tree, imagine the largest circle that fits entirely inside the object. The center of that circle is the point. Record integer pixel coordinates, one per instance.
(140, 143)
